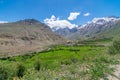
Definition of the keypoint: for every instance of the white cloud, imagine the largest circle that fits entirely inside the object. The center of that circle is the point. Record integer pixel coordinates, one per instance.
(87, 14)
(73, 15)
(56, 23)
(3, 22)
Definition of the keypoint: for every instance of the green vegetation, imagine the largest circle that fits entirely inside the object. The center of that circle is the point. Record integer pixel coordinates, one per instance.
(115, 48)
(100, 71)
(20, 70)
(37, 65)
(3, 73)
(110, 33)
(73, 62)
(99, 41)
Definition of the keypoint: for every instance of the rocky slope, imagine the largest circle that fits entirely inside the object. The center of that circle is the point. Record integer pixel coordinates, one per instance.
(97, 26)
(66, 32)
(26, 36)
(92, 29)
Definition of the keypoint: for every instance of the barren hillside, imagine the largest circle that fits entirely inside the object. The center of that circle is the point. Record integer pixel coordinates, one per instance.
(26, 36)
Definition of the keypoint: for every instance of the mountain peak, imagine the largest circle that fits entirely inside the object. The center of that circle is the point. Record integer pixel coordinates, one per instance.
(104, 20)
(29, 21)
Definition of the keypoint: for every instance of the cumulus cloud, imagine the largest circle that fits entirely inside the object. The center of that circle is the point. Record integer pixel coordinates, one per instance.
(73, 15)
(56, 23)
(87, 14)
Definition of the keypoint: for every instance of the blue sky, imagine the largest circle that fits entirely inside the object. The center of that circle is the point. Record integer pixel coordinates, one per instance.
(13, 10)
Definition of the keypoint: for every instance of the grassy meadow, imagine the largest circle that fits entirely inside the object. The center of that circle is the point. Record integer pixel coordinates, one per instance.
(89, 61)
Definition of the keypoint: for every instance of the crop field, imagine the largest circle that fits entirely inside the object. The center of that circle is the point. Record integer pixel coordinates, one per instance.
(62, 62)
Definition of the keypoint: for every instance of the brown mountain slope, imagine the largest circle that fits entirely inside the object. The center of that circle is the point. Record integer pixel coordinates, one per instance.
(26, 36)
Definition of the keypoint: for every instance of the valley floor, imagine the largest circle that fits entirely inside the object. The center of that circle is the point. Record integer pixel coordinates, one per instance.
(73, 62)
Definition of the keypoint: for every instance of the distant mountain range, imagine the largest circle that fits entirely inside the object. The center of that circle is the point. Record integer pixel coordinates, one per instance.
(25, 36)
(97, 28)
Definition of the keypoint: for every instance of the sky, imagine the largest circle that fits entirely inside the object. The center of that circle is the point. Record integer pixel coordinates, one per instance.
(54, 12)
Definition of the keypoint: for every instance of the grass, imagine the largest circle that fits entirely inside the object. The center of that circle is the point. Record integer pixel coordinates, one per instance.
(99, 71)
(64, 63)
(101, 41)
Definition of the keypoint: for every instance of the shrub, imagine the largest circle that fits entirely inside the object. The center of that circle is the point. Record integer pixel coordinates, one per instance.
(11, 59)
(107, 60)
(20, 70)
(66, 62)
(99, 71)
(115, 48)
(3, 74)
(74, 60)
(37, 65)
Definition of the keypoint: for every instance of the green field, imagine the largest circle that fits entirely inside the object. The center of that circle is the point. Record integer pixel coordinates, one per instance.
(83, 62)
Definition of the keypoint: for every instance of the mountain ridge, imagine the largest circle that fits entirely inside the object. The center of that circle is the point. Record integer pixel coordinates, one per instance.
(90, 29)
(25, 36)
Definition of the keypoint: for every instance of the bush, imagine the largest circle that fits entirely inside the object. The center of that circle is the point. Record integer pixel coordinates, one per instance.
(3, 74)
(66, 62)
(74, 60)
(20, 70)
(99, 71)
(115, 48)
(37, 65)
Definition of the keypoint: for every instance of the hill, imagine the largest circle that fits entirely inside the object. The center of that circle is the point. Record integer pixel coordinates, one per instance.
(110, 33)
(26, 36)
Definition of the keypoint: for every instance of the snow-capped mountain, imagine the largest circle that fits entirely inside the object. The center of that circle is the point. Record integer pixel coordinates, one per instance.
(96, 26)
(93, 27)
(104, 20)
(99, 24)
